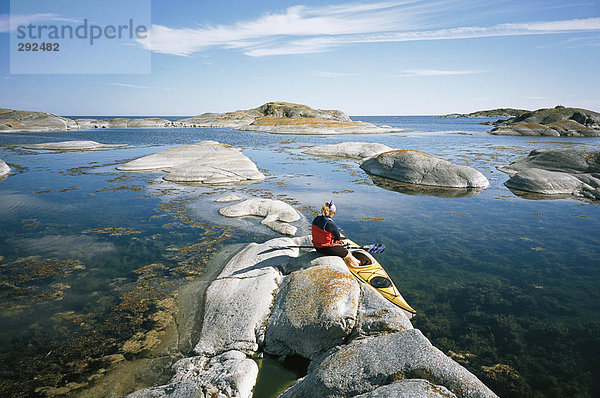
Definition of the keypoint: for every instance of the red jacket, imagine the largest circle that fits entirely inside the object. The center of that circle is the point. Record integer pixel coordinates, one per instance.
(325, 233)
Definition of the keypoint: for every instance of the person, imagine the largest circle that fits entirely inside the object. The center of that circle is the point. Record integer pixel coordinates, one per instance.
(326, 236)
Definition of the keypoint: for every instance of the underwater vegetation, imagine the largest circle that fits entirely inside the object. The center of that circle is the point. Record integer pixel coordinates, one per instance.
(506, 347)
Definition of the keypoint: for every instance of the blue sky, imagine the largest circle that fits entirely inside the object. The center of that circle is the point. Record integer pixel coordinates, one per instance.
(365, 58)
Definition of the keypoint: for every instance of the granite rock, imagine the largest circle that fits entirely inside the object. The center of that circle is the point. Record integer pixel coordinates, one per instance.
(366, 364)
(412, 388)
(277, 214)
(230, 374)
(72, 146)
(228, 198)
(238, 302)
(554, 122)
(4, 169)
(377, 315)
(557, 171)
(320, 302)
(416, 167)
(351, 150)
(124, 123)
(16, 121)
(207, 162)
(358, 342)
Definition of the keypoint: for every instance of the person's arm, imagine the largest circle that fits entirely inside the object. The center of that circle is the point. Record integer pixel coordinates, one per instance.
(331, 227)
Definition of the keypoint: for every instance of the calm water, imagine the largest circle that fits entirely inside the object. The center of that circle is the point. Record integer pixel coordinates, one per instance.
(91, 259)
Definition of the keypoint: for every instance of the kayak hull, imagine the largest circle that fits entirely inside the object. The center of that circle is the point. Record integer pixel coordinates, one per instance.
(373, 274)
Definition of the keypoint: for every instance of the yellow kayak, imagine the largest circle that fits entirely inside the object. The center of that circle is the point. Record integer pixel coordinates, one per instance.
(372, 273)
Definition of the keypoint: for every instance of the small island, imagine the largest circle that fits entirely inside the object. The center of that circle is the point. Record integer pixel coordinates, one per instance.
(553, 122)
(272, 117)
(498, 112)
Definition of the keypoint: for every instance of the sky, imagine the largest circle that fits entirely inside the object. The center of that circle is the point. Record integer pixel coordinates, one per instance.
(365, 58)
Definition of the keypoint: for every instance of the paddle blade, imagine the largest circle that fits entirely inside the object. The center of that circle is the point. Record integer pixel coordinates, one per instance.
(375, 248)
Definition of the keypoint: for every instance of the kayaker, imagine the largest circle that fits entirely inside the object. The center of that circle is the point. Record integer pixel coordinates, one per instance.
(326, 236)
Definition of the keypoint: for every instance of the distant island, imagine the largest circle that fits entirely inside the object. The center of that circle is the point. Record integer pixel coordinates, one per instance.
(272, 117)
(553, 122)
(290, 118)
(498, 112)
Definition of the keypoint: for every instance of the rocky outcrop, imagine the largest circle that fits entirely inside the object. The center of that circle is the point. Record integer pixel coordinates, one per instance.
(557, 172)
(417, 167)
(230, 374)
(228, 198)
(4, 169)
(281, 302)
(322, 302)
(277, 214)
(272, 117)
(498, 112)
(124, 123)
(17, 121)
(285, 118)
(72, 146)
(351, 150)
(207, 162)
(366, 364)
(555, 122)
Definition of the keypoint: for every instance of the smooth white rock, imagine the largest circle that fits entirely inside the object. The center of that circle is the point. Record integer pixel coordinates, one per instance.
(207, 162)
(229, 198)
(416, 167)
(351, 150)
(277, 214)
(4, 169)
(72, 146)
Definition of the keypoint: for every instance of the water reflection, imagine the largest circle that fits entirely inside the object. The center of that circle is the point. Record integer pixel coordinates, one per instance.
(425, 190)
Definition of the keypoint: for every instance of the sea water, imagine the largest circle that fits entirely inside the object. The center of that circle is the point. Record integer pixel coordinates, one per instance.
(92, 258)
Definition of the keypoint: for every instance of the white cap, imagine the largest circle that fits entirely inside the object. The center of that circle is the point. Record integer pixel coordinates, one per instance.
(331, 206)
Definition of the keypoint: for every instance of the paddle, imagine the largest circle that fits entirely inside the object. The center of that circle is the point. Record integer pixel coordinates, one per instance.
(375, 248)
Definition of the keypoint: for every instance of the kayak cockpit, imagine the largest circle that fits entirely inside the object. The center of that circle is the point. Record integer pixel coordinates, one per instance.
(363, 257)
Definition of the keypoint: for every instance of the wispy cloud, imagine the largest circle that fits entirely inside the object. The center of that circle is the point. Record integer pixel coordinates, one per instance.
(320, 44)
(304, 29)
(332, 74)
(434, 72)
(128, 85)
(16, 20)
(275, 29)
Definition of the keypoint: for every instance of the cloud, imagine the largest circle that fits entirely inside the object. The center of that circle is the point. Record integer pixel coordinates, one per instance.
(305, 30)
(320, 44)
(137, 86)
(332, 74)
(273, 29)
(7, 19)
(434, 72)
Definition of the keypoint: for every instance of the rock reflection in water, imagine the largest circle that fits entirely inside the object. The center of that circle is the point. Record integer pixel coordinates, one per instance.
(427, 190)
